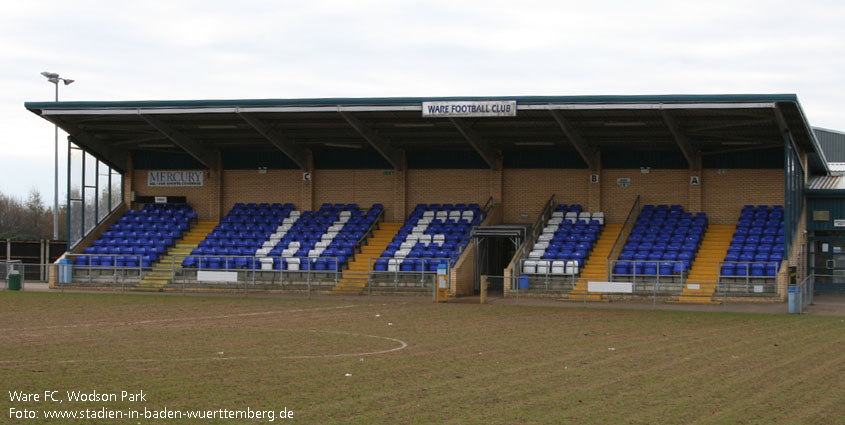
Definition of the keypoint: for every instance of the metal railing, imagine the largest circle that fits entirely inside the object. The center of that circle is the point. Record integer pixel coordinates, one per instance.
(414, 280)
(803, 293)
(465, 241)
(373, 227)
(552, 279)
(629, 223)
(648, 283)
(747, 284)
(531, 238)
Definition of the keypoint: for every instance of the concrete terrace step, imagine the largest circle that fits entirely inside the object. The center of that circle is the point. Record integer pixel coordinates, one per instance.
(355, 280)
(705, 269)
(160, 276)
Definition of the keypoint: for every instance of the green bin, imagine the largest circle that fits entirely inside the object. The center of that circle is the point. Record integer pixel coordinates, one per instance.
(14, 281)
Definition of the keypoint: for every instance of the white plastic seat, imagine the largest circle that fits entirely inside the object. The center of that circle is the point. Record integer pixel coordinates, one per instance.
(345, 214)
(322, 244)
(266, 263)
(328, 236)
(550, 228)
(269, 244)
(557, 214)
(262, 252)
(413, 237)
(537, 253)
(295, 213)
(393, 264)
(545, 237)
(555, 221)
(572, 267)
(441, 215)
(402, 253)
(543, 267)
(468, 215)
(293, 244)
(455, 215)
(419, 229)
(529, 267)
(293, 263)
(283, 228)
(424, 220)
(438, 239)
(599, 216)
(429, 214)
(541, 245)
(571, 215)
(584, 216)
(558, 267)
(342, 220)
(289, 220)
(426, 239)
(407, 245)
(316, 252)
(290, 252)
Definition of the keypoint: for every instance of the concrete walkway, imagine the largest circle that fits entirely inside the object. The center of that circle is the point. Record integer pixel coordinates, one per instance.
(825, 304)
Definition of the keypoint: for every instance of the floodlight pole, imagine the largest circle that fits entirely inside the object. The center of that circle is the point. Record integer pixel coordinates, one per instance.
(54, 78)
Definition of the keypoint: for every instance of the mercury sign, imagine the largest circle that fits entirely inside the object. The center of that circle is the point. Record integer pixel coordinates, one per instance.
(469, 108)
(174, 178)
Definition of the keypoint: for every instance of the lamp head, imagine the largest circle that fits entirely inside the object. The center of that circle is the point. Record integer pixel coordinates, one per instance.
(67, 81)
(50, 75)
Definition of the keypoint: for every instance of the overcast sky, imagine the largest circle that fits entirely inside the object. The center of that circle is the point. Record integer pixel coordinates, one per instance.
(141, 50)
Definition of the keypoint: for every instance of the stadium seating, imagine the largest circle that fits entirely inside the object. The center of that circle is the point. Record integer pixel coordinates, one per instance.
(278, 237)
(757, 247)
(433, 234)
(566, 242)
(664, 241)
(139, 236)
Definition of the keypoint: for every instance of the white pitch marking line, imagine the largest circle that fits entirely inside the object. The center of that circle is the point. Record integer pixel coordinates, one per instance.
(177, 319)
(402, 346)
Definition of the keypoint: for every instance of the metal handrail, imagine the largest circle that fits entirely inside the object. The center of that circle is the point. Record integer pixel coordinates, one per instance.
(372, 228)
(486, 209)
(531, 238)
(633, 214)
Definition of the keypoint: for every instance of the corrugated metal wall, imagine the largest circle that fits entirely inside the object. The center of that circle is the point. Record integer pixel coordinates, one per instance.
(832, 143)
(834, 208)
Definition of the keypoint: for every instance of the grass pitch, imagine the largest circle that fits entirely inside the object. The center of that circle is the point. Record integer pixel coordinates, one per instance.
(342, 361)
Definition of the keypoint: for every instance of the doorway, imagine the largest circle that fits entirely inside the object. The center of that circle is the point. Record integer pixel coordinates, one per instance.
(495, 247)
(827, 262)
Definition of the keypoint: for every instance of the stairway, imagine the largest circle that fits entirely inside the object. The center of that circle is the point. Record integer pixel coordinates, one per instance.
(595, 269)
(354, 279)
(160, 275)
(705, 269)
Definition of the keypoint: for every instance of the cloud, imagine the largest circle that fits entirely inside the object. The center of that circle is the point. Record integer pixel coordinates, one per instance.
(278, 49)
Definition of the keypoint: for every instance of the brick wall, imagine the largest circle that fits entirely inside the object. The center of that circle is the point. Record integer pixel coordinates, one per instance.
(522, 191)
(657, 187)
(527, 190)
(723, 195)
(249, 186)
(363, 187)
(204, 199)
(448, 186)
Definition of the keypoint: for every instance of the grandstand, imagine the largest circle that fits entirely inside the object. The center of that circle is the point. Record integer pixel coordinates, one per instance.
(668, 193)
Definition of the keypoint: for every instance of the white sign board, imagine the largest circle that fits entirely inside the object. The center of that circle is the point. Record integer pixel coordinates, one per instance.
(694, 286)
(469, 108)
(160, 199)
(758, 289)
(174, 178)
(611, 287)
(623, 182)
(839, 223)
(206, 276)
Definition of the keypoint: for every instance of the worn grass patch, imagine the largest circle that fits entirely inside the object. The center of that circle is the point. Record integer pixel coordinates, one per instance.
(462, 364)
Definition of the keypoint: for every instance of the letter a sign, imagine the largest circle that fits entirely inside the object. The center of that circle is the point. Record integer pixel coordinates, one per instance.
(694, 180)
